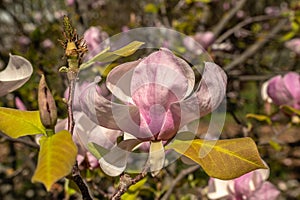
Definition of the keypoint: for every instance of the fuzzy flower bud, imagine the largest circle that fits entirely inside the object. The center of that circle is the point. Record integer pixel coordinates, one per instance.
(47, 107)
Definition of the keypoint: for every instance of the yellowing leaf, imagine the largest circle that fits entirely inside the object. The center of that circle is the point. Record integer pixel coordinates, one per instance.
(224, 159)
(110, 56)
(290, 110)
(16, 123)
(261, 118)
(56, 158)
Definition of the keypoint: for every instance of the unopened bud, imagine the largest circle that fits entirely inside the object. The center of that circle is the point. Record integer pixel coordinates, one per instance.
(47, 107)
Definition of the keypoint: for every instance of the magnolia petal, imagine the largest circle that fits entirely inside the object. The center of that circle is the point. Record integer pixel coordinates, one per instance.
(278, 91)
(266, 191)
(210, 94)
(218, 188)
(114, 162)
(170, 125)
(87, 131)
(17, 72)
(156, 157)
(292, 82)
(109, 114)
(165, 69)
(119, 79)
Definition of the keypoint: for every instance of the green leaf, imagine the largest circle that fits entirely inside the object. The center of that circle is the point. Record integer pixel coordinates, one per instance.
(133, 191)
(222, 159)
(275, 145)
(110, 56)
(151, 8)
(56, 158)
(16, 123)
(262, 118)
(290, 110)
(97, 150)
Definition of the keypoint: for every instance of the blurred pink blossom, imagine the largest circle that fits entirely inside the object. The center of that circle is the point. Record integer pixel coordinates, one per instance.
(19, 104)
(294, 45)
(47, 44)
(23, 40)
(204, 38)
(94, 37)
(70, 2)
(251, 186)
(285, 90)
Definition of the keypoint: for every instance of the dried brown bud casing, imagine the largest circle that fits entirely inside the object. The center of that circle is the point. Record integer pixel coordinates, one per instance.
(47, 107)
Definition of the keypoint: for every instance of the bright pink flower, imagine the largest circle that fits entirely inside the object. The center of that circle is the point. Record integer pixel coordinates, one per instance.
(154, 96)
(251, 186)
(285, 90)
(152, 99)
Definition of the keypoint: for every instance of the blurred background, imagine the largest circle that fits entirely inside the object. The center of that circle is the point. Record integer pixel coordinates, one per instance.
(252, 40)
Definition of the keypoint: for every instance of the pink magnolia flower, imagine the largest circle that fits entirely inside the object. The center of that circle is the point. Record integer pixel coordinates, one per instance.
(153, 98)
(285, 90)
(251, 186)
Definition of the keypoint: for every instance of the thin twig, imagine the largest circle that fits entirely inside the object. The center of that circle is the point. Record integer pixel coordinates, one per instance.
(71, 122)
(247, 21)
(126, 181)
(256, 46)
(223, 22)
(180, 176)
(19, 140)
(74, 49)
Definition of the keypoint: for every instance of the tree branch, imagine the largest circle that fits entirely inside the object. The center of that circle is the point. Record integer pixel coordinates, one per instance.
(180, 176)
(19, 140)
(223, 22)
(256, 46)
(126, 181)
(242, 24)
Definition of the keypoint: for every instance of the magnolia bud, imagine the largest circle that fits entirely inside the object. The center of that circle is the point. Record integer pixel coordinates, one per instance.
(47, 107)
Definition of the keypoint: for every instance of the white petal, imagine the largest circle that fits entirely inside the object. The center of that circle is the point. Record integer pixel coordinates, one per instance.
(17, 72)
(156, 157)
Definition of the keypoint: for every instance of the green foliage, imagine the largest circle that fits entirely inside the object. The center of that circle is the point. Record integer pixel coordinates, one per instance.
(262, 118)
(16, 123)
(134, 190)
(56, 158)
(290, 110)
(222, 159)
(110, 56)
(151, 8)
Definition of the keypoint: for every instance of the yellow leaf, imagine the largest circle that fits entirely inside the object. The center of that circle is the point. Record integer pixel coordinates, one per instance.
(16, 123)
(290, 110)
(222, 159)
(56, 158)
(260, 118)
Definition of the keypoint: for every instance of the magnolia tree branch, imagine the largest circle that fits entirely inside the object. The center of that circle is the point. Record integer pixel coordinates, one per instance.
(19, 140)
(247, 21)
(256, 46)
(223, 22)
(126, 181)
(74, 50)
(180, 176)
